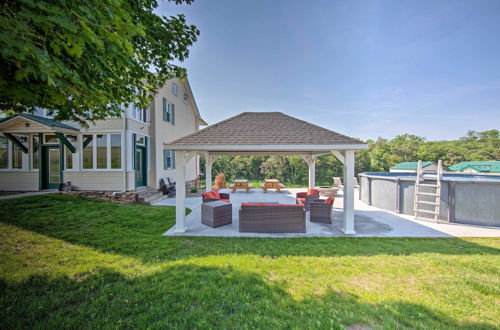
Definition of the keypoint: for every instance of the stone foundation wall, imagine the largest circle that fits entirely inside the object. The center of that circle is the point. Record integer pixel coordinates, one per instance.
(129, 197)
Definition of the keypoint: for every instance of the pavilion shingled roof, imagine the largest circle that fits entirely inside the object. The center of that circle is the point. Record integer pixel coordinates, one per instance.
(265, 128)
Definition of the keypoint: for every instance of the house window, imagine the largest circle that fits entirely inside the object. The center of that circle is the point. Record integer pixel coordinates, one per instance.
(68, 154)
(168, 159)
(174, 89)
(17, 153)
(168, 112)
(116, 151)
(139, 113)
(51, 139)
(185, 98)
(141, 140)
(36, 142)
(102, 151)
(88, 151)
(69, 158)
(4, 152)
(11, 156)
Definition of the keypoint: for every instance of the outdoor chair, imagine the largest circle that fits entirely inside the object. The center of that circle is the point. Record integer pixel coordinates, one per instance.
(321, 210)
(337, 182)
(166, 186)
(356, 183)
(215, 195)
(306, 197)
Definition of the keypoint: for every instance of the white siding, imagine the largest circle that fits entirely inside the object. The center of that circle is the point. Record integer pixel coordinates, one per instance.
(18, 181)
(137, 127)
(95, 180)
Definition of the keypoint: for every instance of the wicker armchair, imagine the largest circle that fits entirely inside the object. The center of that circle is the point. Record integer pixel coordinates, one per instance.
(306, 197)
(214, 195)
(321, 210)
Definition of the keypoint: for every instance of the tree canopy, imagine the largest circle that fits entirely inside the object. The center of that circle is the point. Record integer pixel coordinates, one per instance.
(82, 59)
(380, 156)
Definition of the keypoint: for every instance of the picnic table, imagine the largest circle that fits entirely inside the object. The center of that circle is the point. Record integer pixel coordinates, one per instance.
(240, 184)
(272, 184)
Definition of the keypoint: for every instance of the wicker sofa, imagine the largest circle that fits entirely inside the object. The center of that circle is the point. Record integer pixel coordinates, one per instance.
(306, 197)
(272, 218)
(215, 195)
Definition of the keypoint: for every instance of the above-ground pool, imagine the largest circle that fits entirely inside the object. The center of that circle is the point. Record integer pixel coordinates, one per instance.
(465, 198)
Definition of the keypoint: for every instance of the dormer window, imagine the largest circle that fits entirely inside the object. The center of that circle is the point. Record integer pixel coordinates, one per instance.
(185, 99)
(174, 89)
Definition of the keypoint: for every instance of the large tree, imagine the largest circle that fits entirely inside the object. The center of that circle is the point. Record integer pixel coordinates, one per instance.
(82, 59)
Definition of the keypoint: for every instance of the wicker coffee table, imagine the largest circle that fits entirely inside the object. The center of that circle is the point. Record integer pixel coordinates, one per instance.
(216, 214)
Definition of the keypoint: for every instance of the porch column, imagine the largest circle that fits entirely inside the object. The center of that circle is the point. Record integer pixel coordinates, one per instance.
(348, 216)
(180, 191)
(312, 171)
(208, 171)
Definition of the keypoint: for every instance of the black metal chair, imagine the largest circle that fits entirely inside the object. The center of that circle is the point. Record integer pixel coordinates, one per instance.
(168, 188)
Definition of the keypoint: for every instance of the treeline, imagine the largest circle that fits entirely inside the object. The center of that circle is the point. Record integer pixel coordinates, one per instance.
(380, 156)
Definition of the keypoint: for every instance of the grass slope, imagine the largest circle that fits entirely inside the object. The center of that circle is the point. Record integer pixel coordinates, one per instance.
(71, 262)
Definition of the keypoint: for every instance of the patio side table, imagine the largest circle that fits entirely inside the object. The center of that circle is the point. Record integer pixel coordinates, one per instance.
(216, 214)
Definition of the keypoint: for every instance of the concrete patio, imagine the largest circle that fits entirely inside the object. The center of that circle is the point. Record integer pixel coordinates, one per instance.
(368, 221)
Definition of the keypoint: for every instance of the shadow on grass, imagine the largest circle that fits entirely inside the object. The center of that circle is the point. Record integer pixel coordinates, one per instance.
(135, 230)
(187, 296)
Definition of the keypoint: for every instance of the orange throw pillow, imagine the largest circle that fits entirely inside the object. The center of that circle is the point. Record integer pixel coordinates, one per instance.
(329, 200)
(312, 191)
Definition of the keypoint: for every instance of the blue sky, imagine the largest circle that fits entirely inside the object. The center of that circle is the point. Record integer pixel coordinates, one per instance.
(362, 68)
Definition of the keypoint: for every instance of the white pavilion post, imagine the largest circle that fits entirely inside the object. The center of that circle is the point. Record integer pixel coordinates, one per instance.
(348, 216)
(180, 191)
(312, 171)
(208, 171)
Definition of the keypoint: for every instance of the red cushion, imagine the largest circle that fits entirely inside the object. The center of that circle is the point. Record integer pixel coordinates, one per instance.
(329, 200)
(212, 194)
(312, 191)
(225, 200)
(301, 200)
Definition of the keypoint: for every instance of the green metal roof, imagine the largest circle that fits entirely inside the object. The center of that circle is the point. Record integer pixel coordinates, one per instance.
(480, 166)
(410, 165)
(41, 120)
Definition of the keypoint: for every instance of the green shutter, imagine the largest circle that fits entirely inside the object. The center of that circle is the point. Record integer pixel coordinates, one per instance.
(173, 114)
(173, 158)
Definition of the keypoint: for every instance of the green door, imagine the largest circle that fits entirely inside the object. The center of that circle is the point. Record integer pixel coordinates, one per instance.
(140, 166)
(51, 171)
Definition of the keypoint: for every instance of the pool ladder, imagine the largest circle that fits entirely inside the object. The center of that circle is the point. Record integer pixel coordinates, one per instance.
(436, 187)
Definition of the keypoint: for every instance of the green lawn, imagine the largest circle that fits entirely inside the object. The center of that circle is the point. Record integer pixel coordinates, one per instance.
(71, 262)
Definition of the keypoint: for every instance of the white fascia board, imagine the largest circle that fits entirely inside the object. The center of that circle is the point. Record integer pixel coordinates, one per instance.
(273, 147)
(64, 130)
